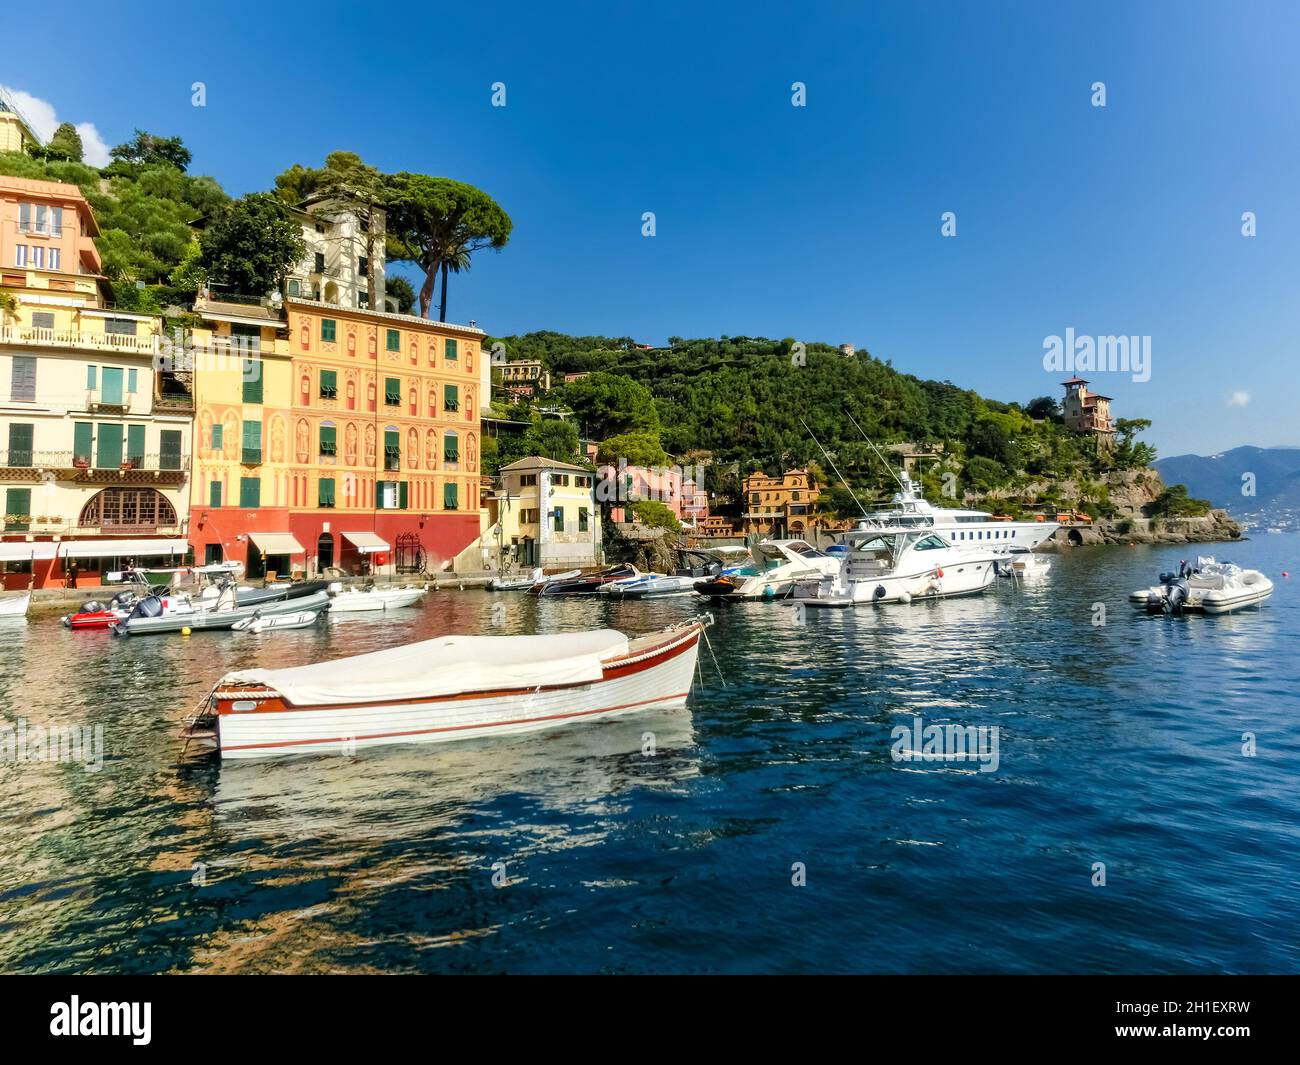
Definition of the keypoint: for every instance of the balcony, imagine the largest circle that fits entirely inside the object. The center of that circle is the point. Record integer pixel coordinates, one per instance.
(95, 403)
(75, 338)
(17, 467)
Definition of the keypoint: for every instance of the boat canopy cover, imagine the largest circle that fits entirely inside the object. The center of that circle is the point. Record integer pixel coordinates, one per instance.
(23, 550)
(448, 665)
(367, 542)
(277, 543)
(122, 548)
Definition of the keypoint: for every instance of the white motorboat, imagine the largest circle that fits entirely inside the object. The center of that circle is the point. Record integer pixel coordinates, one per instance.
(910, 510)
(777, 566)
(1021, 565)
(650, 586)
(15, 606)
(543, 580)
(1209, 587)
(897, 567)
(454, 687)
(353, 600)
(299, 619)
(515, 584)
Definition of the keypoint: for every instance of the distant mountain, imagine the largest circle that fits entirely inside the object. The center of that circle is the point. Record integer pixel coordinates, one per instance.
(1219, 478)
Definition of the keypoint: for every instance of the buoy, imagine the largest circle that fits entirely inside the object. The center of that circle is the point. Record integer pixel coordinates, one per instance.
(1285, 573)
(185, 631)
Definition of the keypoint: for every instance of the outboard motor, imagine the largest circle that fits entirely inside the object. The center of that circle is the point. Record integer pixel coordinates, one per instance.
(148, 607)
(92, 606)
(1175, 596)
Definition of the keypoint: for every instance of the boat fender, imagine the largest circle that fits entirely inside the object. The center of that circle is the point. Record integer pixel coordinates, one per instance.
(904, 597)
(938, 572)
(878, 594)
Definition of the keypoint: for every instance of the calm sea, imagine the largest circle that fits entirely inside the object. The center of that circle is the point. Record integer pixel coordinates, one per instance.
(1119, 744)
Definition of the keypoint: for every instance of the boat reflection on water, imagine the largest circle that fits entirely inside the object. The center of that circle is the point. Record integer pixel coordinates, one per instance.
(397, 792)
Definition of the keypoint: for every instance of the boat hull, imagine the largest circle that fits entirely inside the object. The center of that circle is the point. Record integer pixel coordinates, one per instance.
(966, 578)
(15, 606)
(357, 602)
(267, 726)
(204, 620)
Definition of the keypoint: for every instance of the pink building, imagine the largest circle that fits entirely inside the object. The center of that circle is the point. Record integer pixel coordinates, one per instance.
(47, 226)
(622, 486)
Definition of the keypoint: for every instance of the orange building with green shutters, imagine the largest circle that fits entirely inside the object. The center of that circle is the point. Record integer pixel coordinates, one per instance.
(369, 457)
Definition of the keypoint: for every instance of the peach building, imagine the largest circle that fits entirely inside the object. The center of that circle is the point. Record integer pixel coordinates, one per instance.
(1085, 411)
(47, 226)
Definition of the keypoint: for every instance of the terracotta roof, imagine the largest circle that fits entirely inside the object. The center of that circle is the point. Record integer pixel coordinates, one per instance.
(536, 462)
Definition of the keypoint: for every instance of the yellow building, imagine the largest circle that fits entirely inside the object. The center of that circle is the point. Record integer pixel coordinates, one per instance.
(15, 131)
(778, 507)
(547, 515)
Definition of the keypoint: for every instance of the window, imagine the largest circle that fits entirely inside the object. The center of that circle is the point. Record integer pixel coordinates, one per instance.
(250, 491)
(528, 480)
(55, 259)
(252, 380)
(392, 449)
(931, 543)
(18, 509)
(582, 519)
(110, 386)
(20, 443)
(295, 287)
(394, 340)
(325, 492)
(559, 519)
(252, 451)
(329, 384)
(120, 326)
(127, 508)
(363, 264)
(216, 437)
(135, 445)
(20, 255)
(38, 257)
(391, 495)
(92, 378)
(392, 391)
(108, 449)
(450, 397)
(43, 320)
(82, 435)
(169, 449)
(328, 329)
(449, 350)
(450, 497)
(22, 380)
(214, 494)
(328, 440)
(450, 448)
(131, 379)
(318, 266)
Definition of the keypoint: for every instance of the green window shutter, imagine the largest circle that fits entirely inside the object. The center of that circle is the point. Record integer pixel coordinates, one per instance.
(450, 397)
(131, 378)
(252, 443)
(169, 449)
(327, 329)
(394, 340)
(329, 384)
(18, 504)
(451, 448)
(216, 438)
(135, 445)
(253, 372)
(250, 491)
(328, 440)
(559, 519)
(325, 492)
(401, 495)
(392, 449)
(20, 443)
(108, 453)
(392, 391)
(449, 350)
(214, 494)
(582, 519)
(92, 377)
(82, 433)
(449, 497)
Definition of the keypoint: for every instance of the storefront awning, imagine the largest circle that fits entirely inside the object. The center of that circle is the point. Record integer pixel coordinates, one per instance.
(23, 551)
(136, 549)
(367, 542)
(277, 543)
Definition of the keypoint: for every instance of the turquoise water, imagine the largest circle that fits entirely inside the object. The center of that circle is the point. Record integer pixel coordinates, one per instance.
(1119, 744)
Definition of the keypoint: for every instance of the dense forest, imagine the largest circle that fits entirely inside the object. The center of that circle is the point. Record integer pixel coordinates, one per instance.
(744, 402)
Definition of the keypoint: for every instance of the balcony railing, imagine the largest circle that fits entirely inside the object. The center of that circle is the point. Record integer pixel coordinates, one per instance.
(96, 404)
(75, 338)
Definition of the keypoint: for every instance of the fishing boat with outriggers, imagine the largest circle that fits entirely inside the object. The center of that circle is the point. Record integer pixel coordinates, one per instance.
(450, 688)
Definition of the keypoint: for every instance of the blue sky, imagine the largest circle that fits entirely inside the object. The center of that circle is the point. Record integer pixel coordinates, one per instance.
(819, 222)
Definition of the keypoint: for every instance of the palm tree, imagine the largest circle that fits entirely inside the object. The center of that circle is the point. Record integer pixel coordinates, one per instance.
(455, 261)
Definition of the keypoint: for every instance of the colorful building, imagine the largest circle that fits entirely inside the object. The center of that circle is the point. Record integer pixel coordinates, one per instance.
(524, 378)
(16, 133)
(1087, 412)
(546, 514)
(342, 251)
(356, 448)
(95, 450)
(778, 507)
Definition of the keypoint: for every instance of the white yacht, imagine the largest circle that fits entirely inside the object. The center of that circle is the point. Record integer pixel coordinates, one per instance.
(776, 567)
(911, 510)
(897, 566)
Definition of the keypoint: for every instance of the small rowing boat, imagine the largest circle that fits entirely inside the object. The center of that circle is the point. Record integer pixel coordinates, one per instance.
(15, 606)
(299, 619)
(450, 688)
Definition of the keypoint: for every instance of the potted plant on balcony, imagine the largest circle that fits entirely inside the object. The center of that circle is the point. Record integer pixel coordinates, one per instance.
(127, 464)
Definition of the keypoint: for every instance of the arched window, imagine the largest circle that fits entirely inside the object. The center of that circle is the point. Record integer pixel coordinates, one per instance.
(124, 508)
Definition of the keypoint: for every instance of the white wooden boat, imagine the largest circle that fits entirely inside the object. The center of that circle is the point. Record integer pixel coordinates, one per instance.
(650, 586)
(15, 606)
(354, 600)
(299, 619)
(515, 584)
(454, 687)
(1209, 587)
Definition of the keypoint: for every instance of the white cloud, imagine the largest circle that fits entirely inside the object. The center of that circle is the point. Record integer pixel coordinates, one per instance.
(1239, 399)
(44, 121)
